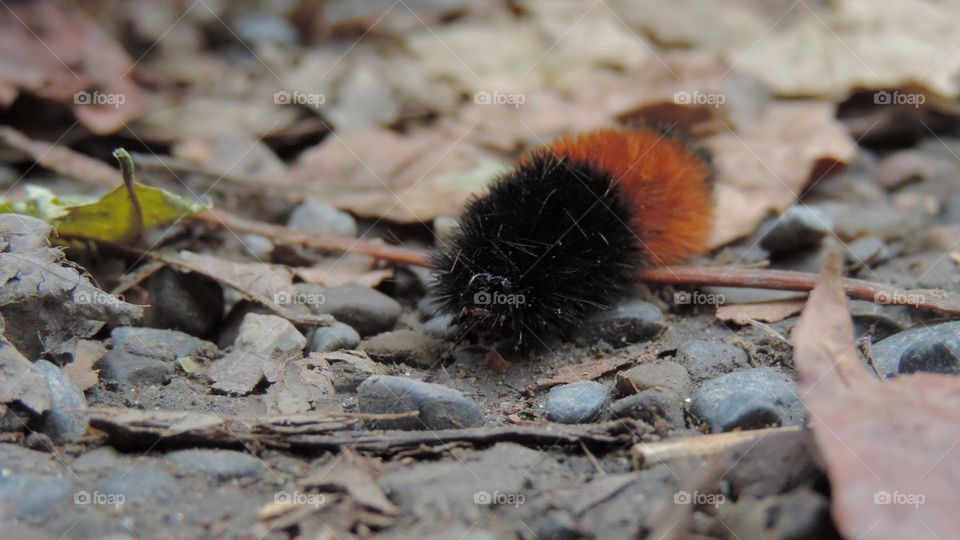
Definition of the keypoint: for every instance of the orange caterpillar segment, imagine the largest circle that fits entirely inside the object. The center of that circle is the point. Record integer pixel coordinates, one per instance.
(667, 183)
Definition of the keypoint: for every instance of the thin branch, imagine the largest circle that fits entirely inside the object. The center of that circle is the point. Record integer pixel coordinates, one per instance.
(930, 299)
(332, 242)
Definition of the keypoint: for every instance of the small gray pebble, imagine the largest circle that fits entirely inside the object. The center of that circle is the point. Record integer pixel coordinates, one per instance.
(708, 359)
(188, 302)
(577, 403)
(749, 399)
(867, 251)
(367, 310)
(440, 407)
(125, 368)
(266, 27)
(440, 327)
(258, 246)
(316, 216)
(650, 406)
(933, 356)
(889, 353)
(799, 227)
(333, 338)
(65, 420)
(139, 482)
(633, 321)
(220, 464)
(167, 345)
(406, 347)
(31, 495)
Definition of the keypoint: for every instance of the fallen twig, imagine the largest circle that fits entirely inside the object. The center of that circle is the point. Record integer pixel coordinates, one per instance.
(286, 235)
(127, 428)
(930, 299)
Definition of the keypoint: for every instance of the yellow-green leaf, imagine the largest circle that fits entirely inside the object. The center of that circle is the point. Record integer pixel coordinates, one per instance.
(119, 216)
(109, 217)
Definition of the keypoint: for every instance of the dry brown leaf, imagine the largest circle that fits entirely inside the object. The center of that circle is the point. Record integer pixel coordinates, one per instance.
(856, 44)
(45, 300)
(379, 173)
(85, 355)
(348, 268)
(20, 382)
(264, 346)
(759, 311)
(55, 50)
(263, 283)
(211, 117)
(766, 167)
(305, 385)
(354, 474)
(589, 370)
(912, 164)
(889, 446)
(62, 159)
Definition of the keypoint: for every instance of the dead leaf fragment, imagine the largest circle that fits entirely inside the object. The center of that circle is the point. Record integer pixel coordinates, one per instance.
(85, 355)
(56, 51)
(767, 312)
(270, 285)
(353, 474)
(44, 301)
(264, 346)
(589, 370)
(887, 445)
(20, 382)
(379, 173)
(766, 167)
(306, 384)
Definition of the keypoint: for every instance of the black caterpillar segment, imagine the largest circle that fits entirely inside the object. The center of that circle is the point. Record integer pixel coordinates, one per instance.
(548, 245)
